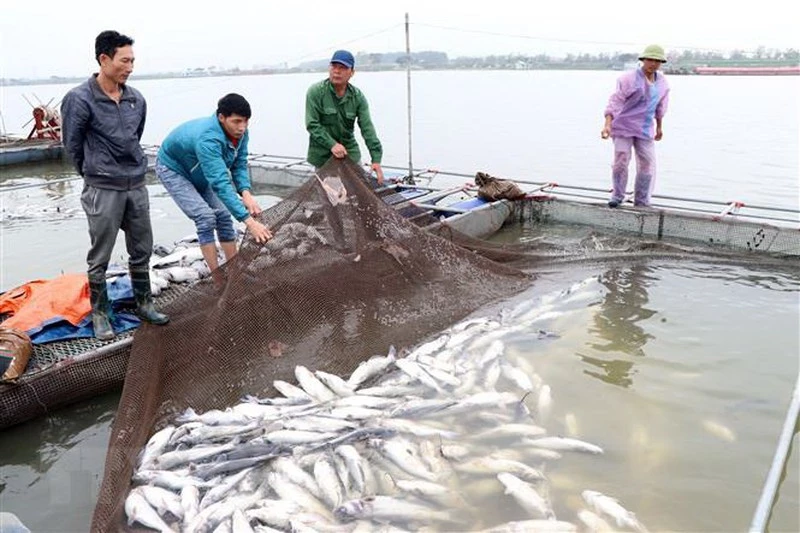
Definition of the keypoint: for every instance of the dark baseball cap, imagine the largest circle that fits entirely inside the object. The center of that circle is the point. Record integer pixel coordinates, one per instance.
(343, 57)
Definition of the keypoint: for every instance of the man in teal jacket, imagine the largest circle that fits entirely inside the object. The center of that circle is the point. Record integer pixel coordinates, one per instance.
(203, 165)
(332, 108)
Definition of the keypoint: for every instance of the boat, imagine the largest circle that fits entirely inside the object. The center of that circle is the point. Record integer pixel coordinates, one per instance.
(792, 70)
(61, 373)
(19, 151)
(43, 143)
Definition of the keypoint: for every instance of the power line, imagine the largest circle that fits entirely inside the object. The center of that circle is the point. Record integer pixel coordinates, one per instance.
(344, 43)
(561, 40)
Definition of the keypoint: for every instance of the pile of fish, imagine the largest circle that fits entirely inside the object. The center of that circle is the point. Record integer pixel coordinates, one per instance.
(184, 263)
(449, 436)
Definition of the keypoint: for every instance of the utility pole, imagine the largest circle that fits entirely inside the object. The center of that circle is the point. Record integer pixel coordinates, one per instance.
(410, 177)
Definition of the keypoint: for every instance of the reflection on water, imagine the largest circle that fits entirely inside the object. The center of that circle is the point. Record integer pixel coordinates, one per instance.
(616, 323)
(57, 432)
(622, 309)
(51, 467)
(616, 372)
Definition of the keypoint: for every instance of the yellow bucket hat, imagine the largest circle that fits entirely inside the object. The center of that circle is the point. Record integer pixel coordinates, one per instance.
(654, 51)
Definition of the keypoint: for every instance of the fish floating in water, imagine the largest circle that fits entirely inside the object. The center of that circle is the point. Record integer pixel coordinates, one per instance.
(401, 444)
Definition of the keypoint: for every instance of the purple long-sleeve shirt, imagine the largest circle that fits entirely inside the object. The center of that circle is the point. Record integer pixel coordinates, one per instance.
(636, 103)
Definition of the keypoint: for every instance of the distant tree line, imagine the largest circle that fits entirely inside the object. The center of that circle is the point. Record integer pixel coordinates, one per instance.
(679, 62)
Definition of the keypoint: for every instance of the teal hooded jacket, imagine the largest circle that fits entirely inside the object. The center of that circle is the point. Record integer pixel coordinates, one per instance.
(200, 151)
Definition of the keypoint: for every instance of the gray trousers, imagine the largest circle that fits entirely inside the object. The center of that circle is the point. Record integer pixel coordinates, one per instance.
(109, 211)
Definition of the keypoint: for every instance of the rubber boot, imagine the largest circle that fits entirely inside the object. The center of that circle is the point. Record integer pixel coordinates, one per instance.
(101, 309)
(140, 280)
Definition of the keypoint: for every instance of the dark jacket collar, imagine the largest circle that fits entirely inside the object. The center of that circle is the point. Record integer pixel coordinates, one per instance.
(98, 94)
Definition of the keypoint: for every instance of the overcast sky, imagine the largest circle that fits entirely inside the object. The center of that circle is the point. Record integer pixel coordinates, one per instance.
(42, 38)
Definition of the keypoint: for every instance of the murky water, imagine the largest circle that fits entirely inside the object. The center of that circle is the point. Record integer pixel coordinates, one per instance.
(681, 371)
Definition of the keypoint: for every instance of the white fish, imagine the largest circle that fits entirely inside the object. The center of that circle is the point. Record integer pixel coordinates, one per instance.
(420, 407)
(287, 490)
(493, 353)
(275, 513)
(455, 452)
(415, 371)
(267, 529)
(593, 522)
(430, 347)
(339, 386)
(290, 391)
(516, 376)
(162, 500)
(190, 501)
(328, 481)
(370, 368)
(419, 429)
(355, 413)
(459, 340)
(210, 433)
(168, 479)
(434, 460)
(220, 491)
(511, 431)
(355, 465)
(181, 274)
(402, 453)
(182, 257)
(469, 381)
(155, 446)
(564, 444)
(530, 526)
(433, 492)
(240, 524)
(544, 403)
(526, 496)
(482, 400)
(312, 385)
(440, 375)
(334, 189)
(720, 431)
(571, 424)
(390, 391)
(612, 508)
(493, 466)
(368, 401)
(214, 417)
(380, 508)
(138, 510)
(175, 458)
(294, 473)
(318, 423)
(158, 280)
(290, 436)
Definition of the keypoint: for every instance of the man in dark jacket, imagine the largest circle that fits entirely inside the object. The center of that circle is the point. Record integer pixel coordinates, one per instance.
(102, 124)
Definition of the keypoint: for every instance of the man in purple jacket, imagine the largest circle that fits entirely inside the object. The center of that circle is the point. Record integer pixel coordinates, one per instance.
(634, 116)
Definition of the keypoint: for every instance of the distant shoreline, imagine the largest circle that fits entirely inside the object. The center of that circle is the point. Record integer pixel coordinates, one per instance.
(749, 67)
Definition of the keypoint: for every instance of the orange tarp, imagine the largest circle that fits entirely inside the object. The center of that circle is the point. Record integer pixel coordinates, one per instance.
(40, 301)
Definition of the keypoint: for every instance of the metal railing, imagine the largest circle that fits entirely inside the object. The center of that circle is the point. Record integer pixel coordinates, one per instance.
(763, 510)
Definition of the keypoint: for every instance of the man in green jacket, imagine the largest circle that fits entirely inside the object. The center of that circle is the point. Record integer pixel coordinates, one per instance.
(332, 108)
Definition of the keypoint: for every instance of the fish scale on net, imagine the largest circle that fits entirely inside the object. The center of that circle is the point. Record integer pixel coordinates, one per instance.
(359, 454)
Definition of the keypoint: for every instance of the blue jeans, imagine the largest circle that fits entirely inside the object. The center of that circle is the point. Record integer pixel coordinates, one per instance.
(205, 209)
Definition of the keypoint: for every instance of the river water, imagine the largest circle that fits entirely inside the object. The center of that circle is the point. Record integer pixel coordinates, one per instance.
(682, 371)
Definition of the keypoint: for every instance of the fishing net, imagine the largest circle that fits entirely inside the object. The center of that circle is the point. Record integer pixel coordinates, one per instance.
(344, 278)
